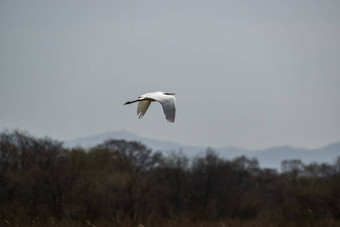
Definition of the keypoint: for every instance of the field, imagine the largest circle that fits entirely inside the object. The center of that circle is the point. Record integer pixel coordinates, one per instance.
(179, 223)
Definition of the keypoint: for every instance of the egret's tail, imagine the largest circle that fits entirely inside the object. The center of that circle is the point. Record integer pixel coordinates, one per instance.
(129, 102)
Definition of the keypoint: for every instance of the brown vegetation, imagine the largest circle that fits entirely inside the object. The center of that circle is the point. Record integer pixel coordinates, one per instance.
(121, 183)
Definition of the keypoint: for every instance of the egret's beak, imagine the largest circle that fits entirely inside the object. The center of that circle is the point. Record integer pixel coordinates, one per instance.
(169, 93)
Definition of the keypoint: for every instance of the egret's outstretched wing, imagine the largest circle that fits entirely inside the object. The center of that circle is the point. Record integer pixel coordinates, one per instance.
(169, 107)
(142, 107)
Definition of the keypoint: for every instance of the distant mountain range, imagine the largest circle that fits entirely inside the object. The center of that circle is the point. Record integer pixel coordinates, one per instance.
(268, 158)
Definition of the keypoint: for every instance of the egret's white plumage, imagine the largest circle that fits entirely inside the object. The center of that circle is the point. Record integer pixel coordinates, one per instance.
(166, 99)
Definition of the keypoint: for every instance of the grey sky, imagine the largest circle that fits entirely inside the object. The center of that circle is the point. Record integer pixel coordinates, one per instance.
(252, 74)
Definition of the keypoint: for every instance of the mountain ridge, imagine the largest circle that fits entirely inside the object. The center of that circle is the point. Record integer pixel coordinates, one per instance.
(268, 158)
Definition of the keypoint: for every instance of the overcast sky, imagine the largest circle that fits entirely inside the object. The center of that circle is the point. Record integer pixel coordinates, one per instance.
(252, 74)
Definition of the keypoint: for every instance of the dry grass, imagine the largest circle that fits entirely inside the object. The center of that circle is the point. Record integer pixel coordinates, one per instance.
(173, 223)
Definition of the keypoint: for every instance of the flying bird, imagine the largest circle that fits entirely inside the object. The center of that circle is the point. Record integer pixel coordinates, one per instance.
(167, 99)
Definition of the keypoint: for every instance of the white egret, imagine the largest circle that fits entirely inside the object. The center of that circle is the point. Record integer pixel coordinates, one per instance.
(167, 100)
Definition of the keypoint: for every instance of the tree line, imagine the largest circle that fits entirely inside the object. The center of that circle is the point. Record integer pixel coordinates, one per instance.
(120, 180)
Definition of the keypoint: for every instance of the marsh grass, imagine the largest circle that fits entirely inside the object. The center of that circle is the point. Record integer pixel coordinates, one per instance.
(174, 223)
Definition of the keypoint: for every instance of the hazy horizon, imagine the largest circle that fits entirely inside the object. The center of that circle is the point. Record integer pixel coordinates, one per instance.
(250, 74)
(202, 146)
